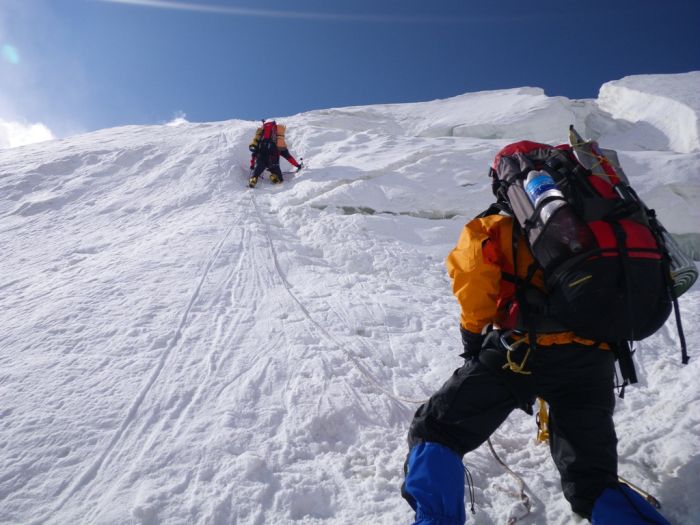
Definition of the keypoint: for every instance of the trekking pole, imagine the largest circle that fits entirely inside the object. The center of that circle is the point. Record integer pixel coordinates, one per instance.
(648, 497)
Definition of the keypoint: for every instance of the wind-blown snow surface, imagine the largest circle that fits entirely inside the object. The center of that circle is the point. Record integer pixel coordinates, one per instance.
(177, 348)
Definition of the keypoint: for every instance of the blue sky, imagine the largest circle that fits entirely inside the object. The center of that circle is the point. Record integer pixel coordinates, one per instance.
(79, 65)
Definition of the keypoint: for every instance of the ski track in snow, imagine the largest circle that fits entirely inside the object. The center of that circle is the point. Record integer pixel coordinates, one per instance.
(126, 441)
(186, 350)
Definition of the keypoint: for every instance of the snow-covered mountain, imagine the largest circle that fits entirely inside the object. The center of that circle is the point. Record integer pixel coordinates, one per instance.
(176, 348)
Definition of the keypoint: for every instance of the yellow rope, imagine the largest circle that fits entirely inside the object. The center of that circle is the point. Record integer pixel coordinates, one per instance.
(599, 160)
(512, 365)
(643, 493)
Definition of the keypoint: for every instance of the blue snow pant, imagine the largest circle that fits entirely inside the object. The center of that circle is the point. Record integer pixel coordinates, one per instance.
(620, 505)
(576, 381)
(437, 500)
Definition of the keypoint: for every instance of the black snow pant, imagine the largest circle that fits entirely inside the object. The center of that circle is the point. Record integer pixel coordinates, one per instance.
(576, 381)
(268, 161)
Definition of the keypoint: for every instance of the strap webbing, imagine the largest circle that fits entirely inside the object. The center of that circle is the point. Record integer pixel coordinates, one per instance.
(684, 348)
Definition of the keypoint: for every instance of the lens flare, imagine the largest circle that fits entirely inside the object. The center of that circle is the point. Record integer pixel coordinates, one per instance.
(10, 54)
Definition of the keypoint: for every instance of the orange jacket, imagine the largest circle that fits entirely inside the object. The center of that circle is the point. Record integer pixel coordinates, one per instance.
(484, 253)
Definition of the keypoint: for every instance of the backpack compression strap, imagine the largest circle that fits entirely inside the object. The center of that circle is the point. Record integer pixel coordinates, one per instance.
(656, 228)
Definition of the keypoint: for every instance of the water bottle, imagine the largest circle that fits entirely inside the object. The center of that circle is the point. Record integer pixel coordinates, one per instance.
(539, 186)
(559, 233)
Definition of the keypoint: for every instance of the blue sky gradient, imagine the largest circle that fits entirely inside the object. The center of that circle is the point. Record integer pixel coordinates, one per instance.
(80, 65)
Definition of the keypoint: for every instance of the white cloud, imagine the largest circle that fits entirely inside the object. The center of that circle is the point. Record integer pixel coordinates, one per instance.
(179, 119)
(13, 134)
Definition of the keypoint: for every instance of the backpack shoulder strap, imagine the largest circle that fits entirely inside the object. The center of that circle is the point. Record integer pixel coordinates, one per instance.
(520, 289)
(495, 209)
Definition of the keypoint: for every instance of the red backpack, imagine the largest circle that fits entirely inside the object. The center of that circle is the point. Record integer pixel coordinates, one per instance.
(268, 138)
(604, 255)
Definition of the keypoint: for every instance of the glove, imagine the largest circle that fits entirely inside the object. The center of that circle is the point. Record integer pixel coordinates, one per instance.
(252, 149)
(301, 165)
(471, 342)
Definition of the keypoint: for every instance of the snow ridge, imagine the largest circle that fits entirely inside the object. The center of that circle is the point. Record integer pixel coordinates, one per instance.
(657, 101)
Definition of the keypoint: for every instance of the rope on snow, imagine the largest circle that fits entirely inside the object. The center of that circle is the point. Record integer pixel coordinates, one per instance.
(353, 358)
(524, 498)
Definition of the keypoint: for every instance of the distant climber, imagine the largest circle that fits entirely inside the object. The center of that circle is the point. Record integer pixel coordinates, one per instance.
(266, 148)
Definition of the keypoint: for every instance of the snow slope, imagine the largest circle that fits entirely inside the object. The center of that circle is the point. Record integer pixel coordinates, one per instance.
(177, 348)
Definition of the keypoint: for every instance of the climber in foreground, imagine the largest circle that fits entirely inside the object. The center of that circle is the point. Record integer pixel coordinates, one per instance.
(267, 146)
(545, 312)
